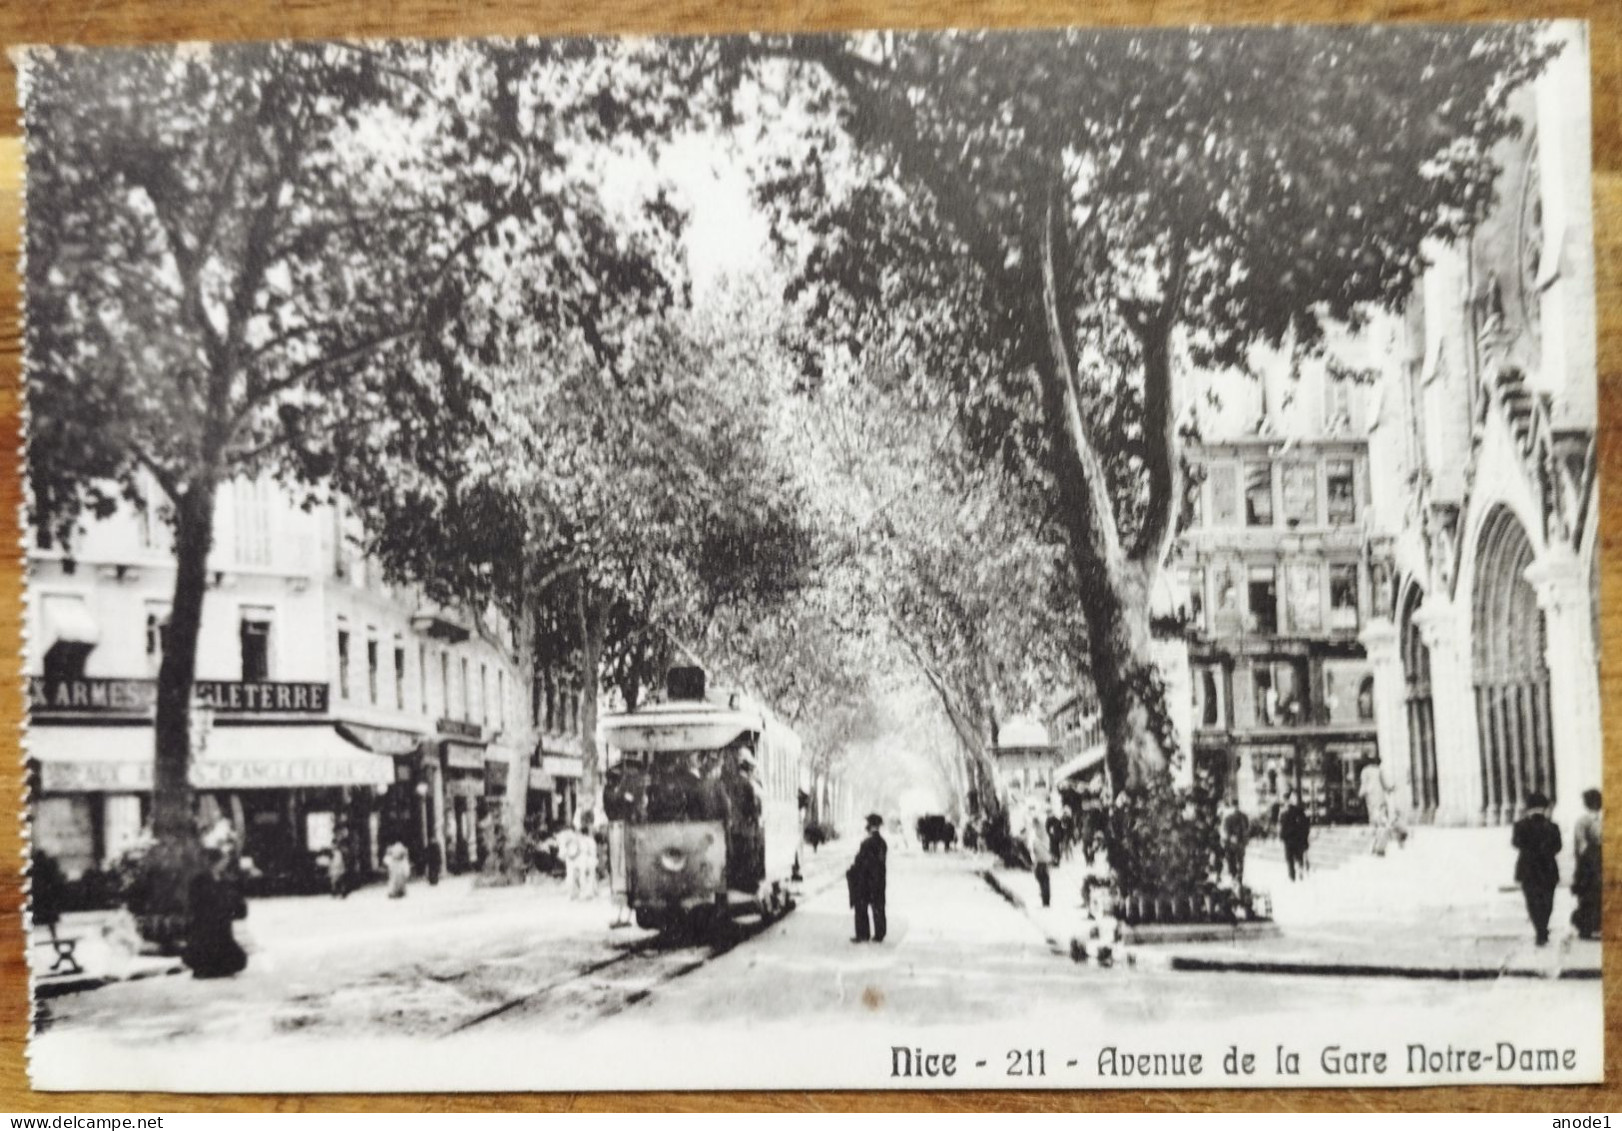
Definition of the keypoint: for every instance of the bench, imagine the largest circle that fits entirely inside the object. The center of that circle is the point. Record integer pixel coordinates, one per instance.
(64, 948)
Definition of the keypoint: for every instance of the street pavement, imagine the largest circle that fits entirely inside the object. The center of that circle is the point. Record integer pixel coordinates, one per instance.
(1439, 907)
(460, 965)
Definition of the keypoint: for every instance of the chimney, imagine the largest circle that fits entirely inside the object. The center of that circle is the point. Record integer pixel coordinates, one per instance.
(685, 684)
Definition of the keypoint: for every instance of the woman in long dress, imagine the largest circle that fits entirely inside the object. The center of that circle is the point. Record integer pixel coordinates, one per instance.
(1588, 876)
(213, 905)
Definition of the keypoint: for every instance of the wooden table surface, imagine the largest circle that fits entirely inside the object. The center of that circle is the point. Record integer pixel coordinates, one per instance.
(151, 21)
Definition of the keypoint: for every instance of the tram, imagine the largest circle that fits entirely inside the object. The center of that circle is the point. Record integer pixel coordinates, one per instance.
(702, 802)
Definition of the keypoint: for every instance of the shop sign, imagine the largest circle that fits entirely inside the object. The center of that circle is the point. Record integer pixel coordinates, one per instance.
(140, 696)
(381, 740)
(291, 773)
(461, 756)
(460, 728)
(558, 767)
(228, 697)
(133, 776)
(92, 696)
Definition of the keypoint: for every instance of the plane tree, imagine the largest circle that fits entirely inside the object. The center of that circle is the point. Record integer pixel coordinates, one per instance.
(1066, 222)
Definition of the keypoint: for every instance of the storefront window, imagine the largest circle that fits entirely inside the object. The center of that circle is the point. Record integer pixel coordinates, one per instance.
(1258, 494)
(1343, 611)
(1300, 483)
(1263, 600)
(1339, 480)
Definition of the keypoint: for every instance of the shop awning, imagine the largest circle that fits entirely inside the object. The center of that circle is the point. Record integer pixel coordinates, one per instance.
(119, 759)
(67, 620)
(92, 759)
(287, 757)
(1080, 764)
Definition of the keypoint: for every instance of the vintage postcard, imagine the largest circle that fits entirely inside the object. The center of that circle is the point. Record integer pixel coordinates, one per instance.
(1056, 559)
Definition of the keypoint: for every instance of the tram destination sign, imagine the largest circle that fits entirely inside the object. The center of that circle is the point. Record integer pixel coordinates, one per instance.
(140, 696)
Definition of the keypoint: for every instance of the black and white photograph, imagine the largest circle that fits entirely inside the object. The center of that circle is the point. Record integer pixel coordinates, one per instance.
(1056, 558)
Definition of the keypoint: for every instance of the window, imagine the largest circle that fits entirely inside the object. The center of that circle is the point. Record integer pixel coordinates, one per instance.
(1343, 611)
(1306, 596)
(1222, 487)
(422, 675)
(150, 514)
(399, 676)
(551, 697)
(467, 699)
(1196, 598)
(372, 662)
(1258, 494)
(1263, 600)
(1340, 480)
(255, 637)
(1208, 696)
(445, 685)
(251, 507)
(1300, 485)
(501, 699)
(157, 634)
(343, 663)
(1279, 693)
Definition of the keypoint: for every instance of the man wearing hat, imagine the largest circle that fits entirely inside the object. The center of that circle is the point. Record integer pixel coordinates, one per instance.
(1537, 868)
(866, 879)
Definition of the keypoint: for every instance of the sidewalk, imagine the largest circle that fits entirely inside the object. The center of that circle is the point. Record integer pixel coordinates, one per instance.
(367, 929)
(1440, 908)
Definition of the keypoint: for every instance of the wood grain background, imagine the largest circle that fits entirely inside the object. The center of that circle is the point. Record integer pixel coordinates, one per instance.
(152, 21)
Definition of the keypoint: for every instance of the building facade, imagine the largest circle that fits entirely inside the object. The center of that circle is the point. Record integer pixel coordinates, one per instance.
(1485, 467)
(332, 707)
(1275, 591)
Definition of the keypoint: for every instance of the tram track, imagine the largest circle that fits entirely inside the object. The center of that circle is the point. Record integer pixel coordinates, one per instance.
(609, 985)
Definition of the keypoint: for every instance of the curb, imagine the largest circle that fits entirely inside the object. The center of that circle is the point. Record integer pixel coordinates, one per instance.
(1369, 970)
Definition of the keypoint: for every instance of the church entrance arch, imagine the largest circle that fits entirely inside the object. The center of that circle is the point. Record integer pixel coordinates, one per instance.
(1511, 675)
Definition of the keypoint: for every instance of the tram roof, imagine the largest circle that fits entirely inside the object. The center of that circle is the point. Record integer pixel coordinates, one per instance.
(679, 725)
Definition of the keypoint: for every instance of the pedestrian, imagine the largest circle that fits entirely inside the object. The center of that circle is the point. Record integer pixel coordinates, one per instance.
(337, 871)
(580, 858)
(1235, 828)
(866, 881)
(397, 859)
(1537, 867)
(1295, 831)
(213, 904)
(436, 862)
(1040, 845)
(1587, 877)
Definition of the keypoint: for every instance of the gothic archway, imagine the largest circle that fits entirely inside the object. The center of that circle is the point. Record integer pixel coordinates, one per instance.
(1416, 665)
(1511, 676)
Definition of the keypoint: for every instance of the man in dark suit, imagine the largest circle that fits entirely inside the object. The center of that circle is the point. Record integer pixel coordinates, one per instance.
(866, 879)
(1537, 868)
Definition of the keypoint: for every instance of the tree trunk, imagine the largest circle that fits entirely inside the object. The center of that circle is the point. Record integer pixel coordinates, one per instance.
(1126, 679)
(160, 900)
(1114, 587)
(593, 613)
(515, 805)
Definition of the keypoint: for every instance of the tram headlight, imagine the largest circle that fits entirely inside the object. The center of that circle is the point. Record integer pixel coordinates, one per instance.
(673, 860)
